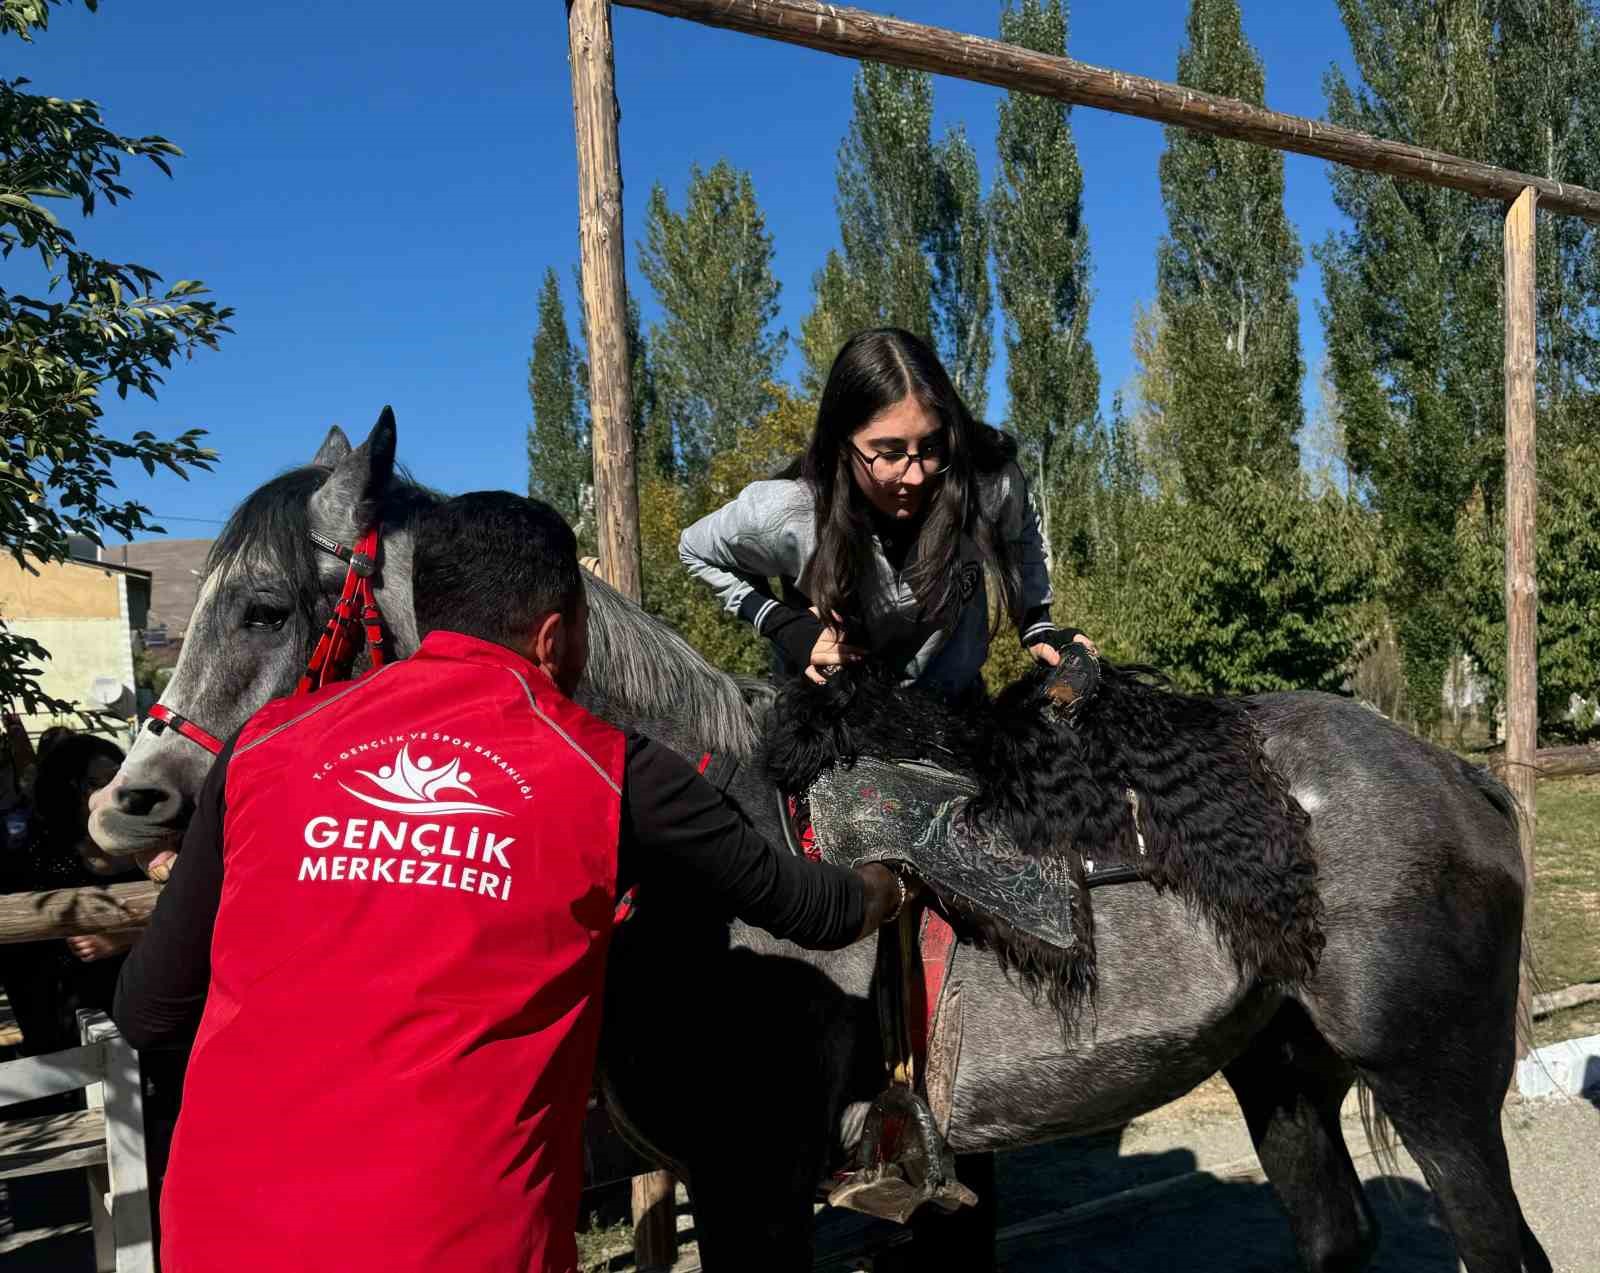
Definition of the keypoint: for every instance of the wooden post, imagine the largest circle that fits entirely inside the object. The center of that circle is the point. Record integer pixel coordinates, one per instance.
(616, 494)
(605, 295)
(655, 1222)
(1522, 591)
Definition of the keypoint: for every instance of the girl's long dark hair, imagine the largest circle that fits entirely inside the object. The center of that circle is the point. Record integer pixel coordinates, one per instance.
(875, 370)
(60, 815)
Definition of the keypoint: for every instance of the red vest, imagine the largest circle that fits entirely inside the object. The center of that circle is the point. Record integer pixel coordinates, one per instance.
(391, 1072)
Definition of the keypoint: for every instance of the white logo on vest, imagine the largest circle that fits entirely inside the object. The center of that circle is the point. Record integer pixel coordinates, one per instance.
(411, 850)
(414, 787)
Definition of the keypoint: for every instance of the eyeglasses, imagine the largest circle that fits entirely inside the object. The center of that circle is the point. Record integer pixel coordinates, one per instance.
(891, 466)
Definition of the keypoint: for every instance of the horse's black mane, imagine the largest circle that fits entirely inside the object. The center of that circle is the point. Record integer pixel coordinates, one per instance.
(274, 524)
(1218, 824)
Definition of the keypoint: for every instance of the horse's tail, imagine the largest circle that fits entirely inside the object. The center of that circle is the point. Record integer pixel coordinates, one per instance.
(1379, 1131)
(1510, 808)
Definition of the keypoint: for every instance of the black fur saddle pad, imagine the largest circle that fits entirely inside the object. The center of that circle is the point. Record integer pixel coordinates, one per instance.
(1177, 786)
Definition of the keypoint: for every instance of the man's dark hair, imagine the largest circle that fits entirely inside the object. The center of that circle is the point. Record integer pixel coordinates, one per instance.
(489, 563)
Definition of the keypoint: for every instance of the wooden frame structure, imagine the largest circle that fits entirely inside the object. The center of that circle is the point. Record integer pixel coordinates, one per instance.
(858, 34)
(861, 35)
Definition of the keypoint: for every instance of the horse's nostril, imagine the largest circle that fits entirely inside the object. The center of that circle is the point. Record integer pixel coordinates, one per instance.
(141, 802)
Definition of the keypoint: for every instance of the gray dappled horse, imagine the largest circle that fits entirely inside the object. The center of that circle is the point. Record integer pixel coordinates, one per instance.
(746, 1062)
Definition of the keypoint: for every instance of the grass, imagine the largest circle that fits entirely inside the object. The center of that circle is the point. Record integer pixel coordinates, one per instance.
(597, 1245)
(1565, 931)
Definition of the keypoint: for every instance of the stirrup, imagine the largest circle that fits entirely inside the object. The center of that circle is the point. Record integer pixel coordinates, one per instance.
(905, 1162)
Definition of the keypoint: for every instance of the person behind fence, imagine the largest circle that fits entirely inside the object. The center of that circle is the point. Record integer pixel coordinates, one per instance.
(389, 917)
(47, 982)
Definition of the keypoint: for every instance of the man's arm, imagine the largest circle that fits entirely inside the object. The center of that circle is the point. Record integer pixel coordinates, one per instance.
(162, 989)
(676, 822)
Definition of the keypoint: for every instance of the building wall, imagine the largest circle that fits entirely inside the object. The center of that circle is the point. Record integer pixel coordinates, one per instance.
(61, 590)
(80, 613)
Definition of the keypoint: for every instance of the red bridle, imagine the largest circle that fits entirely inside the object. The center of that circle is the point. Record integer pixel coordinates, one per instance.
(336, 648)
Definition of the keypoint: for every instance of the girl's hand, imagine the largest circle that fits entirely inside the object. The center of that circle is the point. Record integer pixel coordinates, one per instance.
(92, 946)
(830, 652)
(1047, 653)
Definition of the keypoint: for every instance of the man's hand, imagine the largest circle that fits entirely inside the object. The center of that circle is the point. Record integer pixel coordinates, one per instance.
(887, 893)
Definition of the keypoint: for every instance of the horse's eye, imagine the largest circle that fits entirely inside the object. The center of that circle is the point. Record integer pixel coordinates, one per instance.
(264, 618)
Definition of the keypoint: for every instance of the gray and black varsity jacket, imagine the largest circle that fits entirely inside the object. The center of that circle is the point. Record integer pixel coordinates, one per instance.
(769, 532)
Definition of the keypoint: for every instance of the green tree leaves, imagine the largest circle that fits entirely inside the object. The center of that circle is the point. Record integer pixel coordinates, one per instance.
(1257, 587)
(1413, 308)
(1041, 249)
(914, 240)
(1225, 273)
(715, 350)
(1568, 555)
(560, 463)
(98, 324)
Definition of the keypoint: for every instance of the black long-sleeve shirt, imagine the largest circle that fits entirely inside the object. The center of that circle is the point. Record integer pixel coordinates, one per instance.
(674, 823)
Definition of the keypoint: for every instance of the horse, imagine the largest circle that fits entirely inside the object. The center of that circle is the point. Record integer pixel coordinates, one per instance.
(747, 1064)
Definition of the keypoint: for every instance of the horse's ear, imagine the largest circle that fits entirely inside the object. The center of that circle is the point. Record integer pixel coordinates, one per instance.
(348, 502)
(333, 449)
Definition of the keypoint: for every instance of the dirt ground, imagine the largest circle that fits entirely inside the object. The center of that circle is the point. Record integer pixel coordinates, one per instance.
(1219, 1218)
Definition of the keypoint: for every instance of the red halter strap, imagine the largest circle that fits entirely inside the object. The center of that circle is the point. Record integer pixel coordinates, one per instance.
(164, 718)
(336, 648)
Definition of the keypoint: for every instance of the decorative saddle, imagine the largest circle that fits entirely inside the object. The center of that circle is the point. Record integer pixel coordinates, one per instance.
(917, 814)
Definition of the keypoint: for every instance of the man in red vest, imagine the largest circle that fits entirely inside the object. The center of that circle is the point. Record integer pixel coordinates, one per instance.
(390, 919)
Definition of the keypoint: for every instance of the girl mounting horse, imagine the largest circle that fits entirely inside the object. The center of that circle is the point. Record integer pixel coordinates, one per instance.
(887, 531)
(886, 535)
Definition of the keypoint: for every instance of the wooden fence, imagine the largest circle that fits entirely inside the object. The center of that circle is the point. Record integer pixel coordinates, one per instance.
(106, 1138)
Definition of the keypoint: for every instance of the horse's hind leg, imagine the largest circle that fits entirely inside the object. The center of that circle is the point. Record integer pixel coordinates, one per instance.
(1290, 1086)
(1449, 1119)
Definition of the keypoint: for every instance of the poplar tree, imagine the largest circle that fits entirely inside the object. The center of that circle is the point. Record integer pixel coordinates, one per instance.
(958, 243)
(560, 469)
(715, 351)
(878, 276)
(914, 247)
(1041, 249)
(1546, 64)
(1412, 311)
(1225, 274)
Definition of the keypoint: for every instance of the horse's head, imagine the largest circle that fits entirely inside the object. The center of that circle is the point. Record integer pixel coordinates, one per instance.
(266, 593)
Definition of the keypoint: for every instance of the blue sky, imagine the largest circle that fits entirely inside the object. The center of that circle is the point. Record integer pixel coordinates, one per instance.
(377, 189)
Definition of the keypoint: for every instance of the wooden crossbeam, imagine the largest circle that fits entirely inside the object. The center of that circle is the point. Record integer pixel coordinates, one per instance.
(856, 33)
(67, 912)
